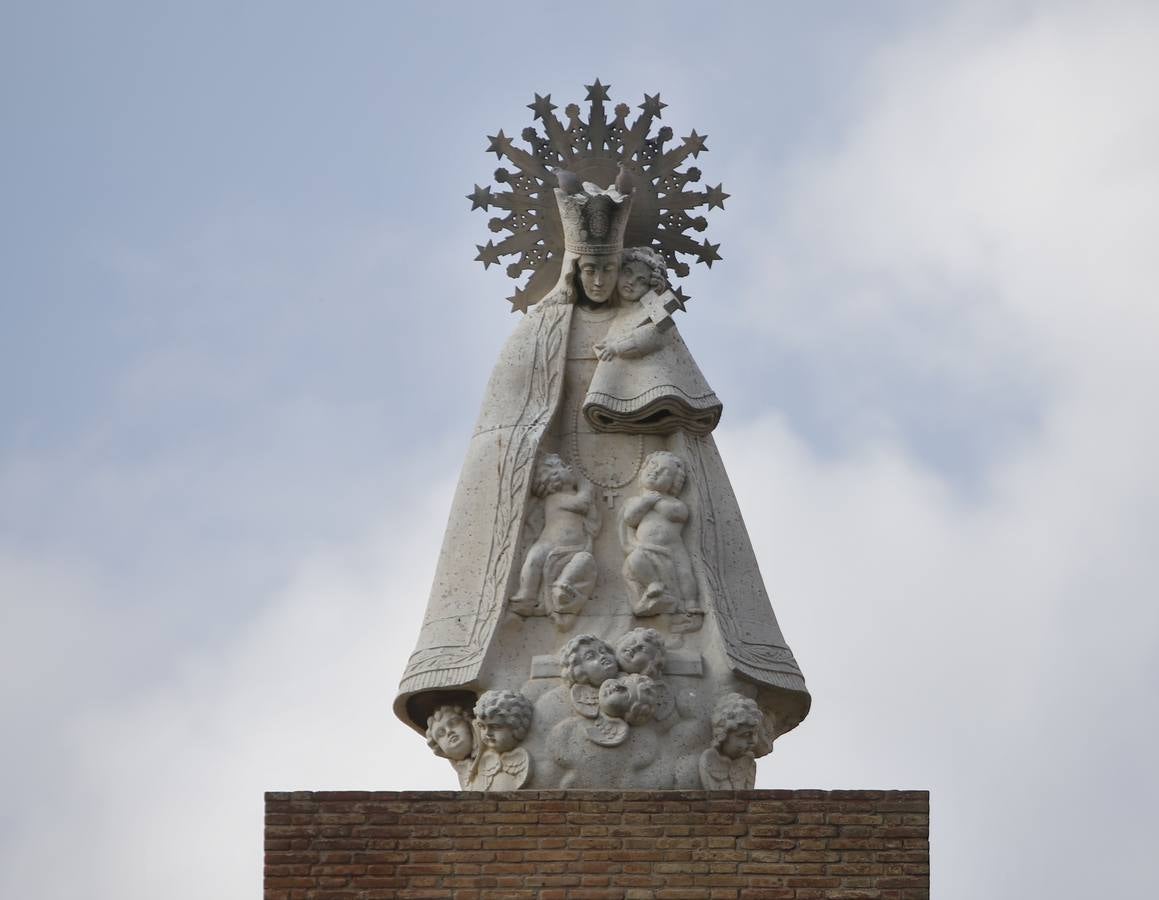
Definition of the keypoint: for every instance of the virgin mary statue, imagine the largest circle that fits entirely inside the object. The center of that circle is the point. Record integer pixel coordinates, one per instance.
(597, 618)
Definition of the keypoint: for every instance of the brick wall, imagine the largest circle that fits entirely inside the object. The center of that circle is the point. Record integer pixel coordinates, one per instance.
(559, 845)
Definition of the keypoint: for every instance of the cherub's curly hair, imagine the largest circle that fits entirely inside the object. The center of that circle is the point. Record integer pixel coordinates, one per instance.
(653, 260)
(652, 638)
(551, 474)
(442, 714)
(569, 656)
(505, 708)
(732, 711)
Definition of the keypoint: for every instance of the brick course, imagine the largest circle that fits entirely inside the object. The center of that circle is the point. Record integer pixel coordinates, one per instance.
(598, 845)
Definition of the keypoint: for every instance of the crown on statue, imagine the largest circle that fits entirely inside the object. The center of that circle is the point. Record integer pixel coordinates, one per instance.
(594, 219)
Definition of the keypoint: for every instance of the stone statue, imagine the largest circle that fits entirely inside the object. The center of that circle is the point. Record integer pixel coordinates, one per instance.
(586, 662)
(504, 718)
(597, 411)
(451, 735)
(559, 571)
(730, 764)
(657, 566)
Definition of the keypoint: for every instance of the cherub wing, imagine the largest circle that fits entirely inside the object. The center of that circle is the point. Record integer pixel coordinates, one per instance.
(714, 771)
(608, 732)
(517, 764)
(585, 699)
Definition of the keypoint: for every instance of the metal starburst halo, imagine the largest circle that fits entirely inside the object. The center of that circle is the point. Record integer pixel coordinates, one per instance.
(593, 150)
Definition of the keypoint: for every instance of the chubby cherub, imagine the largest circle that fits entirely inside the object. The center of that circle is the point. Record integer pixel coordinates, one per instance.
(451, 735)
(657, 566)
(503, 719)
(730, 764)
(625, 701)
(559, 571)
(641, 651)
(585, 663)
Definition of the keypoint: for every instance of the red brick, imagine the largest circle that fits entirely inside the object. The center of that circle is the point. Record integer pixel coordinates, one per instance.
(559, 845)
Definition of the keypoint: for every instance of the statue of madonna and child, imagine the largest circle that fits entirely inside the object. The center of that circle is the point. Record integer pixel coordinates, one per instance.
(597, 618)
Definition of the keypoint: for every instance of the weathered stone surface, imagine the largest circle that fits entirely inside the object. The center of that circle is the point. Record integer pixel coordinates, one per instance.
(596, 572)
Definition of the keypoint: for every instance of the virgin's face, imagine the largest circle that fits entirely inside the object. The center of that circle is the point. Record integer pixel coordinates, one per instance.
(454, 738)
(598, 276)
(635, 280)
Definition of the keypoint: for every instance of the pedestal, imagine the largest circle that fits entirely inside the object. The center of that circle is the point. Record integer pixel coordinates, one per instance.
(560, 845)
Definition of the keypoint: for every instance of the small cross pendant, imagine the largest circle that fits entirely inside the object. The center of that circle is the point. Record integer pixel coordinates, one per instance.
(610, 498)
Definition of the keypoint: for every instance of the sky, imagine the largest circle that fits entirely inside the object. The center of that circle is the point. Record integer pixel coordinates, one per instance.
(245, 340)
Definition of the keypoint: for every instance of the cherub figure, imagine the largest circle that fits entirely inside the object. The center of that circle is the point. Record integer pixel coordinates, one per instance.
(503, 719)
(642, 651)
(625, 701)
(451, 735)
(585, 663)
(737, 734)
(657, 566)
(559, 571)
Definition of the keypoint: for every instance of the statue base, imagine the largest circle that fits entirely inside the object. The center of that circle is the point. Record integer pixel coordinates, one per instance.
(555, 845)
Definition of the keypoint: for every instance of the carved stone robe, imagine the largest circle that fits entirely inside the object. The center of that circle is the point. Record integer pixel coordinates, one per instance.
(470, 641)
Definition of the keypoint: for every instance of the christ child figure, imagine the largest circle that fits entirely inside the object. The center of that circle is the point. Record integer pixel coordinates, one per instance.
(641, 270)
(504, 718)
(657, 567)
(559, 571)
(451, 735)
(730, 763)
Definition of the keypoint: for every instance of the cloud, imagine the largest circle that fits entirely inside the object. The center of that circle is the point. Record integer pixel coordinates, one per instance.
(160, 793)
(967, 259)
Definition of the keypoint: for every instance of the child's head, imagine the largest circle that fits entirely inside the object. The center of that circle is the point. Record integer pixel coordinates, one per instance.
(585, 659)
(449, 732)
(632, 697)
(504, 719)
(641, 270)
(663, 472)
(551, 475)
(641, 650)
(736, 725)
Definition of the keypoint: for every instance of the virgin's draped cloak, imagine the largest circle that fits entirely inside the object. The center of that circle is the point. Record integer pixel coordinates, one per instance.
(483, 547)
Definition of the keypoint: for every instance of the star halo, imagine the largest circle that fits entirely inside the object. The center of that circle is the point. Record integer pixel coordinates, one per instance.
(663, 201)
